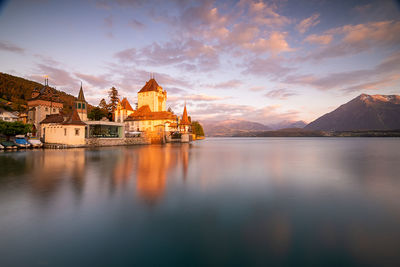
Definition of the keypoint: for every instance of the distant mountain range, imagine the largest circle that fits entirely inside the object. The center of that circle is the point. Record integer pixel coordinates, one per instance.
(244, 128)
(365, 112)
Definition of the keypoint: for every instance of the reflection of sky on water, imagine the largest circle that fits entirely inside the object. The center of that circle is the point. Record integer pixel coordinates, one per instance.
(218, 201)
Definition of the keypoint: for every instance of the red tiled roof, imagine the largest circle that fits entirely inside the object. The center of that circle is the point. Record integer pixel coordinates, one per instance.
(185, 119)
(144, 113)
(151, 85)
(53, 118)
(125, 104)
(74, 119)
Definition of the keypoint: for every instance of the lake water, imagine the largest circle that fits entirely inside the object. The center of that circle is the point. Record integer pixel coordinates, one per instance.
(221, 201)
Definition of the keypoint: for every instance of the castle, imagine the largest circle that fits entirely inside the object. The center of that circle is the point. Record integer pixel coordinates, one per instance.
(151, 114)
(75, 129)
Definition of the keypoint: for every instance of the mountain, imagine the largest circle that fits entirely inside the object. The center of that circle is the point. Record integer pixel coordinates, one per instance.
(365, 112)
(288, 124)
(17, 90)
(232, 127)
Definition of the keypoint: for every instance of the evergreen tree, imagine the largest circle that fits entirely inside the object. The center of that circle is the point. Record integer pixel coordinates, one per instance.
(113, 95)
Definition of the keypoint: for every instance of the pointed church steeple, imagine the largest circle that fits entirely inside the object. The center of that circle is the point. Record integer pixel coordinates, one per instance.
(81, 96)
(81, 105)
(185, 119)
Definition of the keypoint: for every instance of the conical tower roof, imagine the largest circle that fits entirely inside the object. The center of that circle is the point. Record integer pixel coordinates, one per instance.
(81, 96)
(185, 119)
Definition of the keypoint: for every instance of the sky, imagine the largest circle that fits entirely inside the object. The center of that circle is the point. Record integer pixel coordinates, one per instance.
(262, 61)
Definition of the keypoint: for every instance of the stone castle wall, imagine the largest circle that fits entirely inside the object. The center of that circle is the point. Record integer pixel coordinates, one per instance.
(117, 141)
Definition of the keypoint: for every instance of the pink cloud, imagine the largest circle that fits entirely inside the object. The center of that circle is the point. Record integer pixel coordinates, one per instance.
(98, 81)
(280, 94)
(267, 67)
(351, 80)
(226, 85)
(359, 38)
(219, 111)
(275, 44)
(307, 23)
(319, 39)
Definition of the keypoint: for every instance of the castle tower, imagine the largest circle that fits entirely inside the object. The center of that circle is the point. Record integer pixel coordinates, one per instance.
(152, 95)
(81, 105)
(185, 123)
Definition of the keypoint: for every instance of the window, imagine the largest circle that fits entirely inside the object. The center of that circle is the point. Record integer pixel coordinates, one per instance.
(79, 105)
(65, 132)
(46, 109)
(77, 132)
(54, 110)
(83, 105)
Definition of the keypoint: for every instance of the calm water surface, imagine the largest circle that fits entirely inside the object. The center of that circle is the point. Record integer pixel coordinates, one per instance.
(258, 201)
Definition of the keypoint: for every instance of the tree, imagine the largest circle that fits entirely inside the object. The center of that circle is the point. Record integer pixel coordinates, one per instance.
(97, 114)
(113, 95)
(103, 104)
(14, 128)
(197, 128)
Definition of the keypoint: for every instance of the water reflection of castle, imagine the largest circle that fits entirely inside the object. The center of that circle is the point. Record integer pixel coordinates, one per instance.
(151, 165)
(144, 170)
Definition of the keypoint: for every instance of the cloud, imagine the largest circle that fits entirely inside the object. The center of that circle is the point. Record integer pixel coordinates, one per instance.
(363, 8)
(226, 85)
(280, 94)
(126, 55)
(6, 46)
(137, 25)
(257, 88)
(198, 98)
(98, 81)
(108, 21)
(275, 44)
(57, 76)
(264, 13)
(385, 81)
(269, 67)
(359, 38)
(222, 111)
(319, 39)
(350, 80)
(199, 55)
(307, 23)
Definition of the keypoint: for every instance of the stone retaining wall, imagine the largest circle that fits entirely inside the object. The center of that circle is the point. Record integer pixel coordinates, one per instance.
(117, 141)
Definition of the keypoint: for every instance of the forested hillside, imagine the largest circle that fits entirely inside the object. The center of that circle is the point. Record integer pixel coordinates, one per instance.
(18, 90)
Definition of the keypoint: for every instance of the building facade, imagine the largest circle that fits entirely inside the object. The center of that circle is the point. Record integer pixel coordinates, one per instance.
(123, 110)
(8, 116)
(58, 130)
(152, 95)
(43, 102)
(151, 115)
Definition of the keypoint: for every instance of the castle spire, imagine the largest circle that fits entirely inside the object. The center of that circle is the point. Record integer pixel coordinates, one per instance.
(185, 119)
(81, 96)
